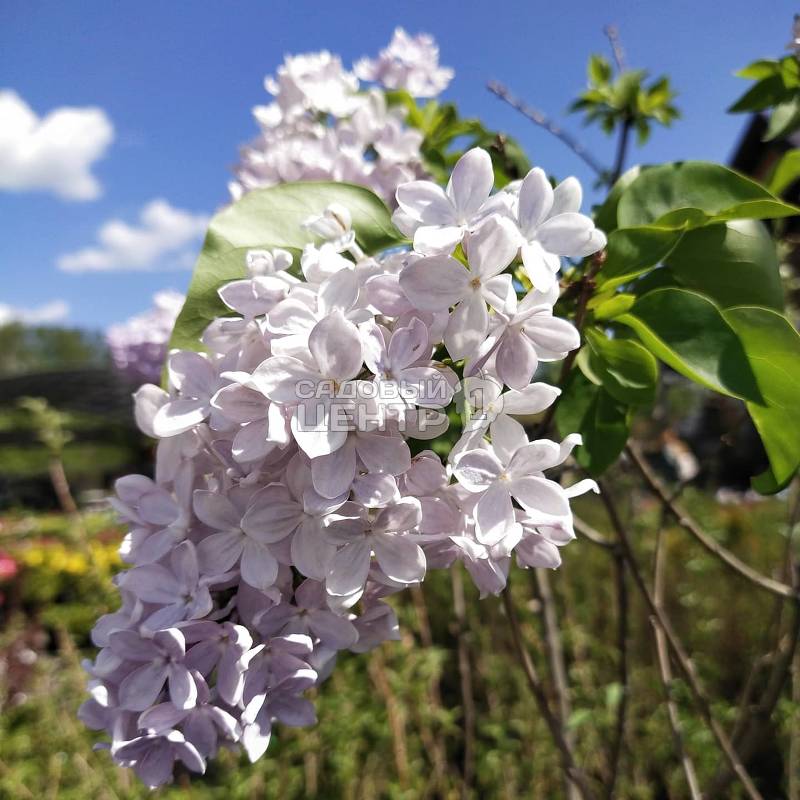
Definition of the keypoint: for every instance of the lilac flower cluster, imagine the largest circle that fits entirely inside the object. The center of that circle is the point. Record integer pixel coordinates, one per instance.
(139, 346)
(287, 505)
(322, 125)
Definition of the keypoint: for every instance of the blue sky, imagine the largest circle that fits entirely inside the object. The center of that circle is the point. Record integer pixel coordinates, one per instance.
(178, 80)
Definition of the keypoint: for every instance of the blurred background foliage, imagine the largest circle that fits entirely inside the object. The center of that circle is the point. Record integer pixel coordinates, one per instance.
(395, 723)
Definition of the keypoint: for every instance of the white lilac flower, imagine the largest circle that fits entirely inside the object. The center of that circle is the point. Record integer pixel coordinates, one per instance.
(409, 62)
(521, 336)
(195, 382)
(322, 125)
(317, 388)
(512, 467)
(286, 504)
(551, 226)
(439, 218)
(437, 283)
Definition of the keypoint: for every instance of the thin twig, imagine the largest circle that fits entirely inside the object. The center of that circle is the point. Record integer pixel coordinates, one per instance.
(622, 149)
(665, 669)
(554, 647)
(432, 743)
(465, 674)
(612, 34)
(592, 535)
(543, 121)
(794, 735)
(681, 657)
(622, 649)
(537, 689)
(377, 671)
(710, 544)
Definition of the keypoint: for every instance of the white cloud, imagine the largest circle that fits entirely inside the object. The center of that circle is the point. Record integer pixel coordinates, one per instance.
(56, 311)
(54, 153)
(164, 238)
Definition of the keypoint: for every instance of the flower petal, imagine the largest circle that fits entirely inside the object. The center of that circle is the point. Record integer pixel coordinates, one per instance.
(259, 567)
(348, 569)
(215, 510)
(336, 347)
(400, 557)
(516, 359)
(425, 202)
(435, 283)
(182, 688)
(494, 515)
(471, 183)
(467, 327)
(220, 551)
(491, 247)
(271, 515)
(141, 687)
(535, 201)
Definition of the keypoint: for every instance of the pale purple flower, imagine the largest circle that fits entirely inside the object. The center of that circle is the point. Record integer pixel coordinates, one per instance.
(309, 615)
(264, 426)
(231, 544)
(404, 376)
(162, 661)
(153, 755)
(178, 588)
(221, 647)
(195, 380)
(511, 468)
(201, 725)
(371, 451)
(280, 702)
(286, 504)
(278, 512)
(387, 535)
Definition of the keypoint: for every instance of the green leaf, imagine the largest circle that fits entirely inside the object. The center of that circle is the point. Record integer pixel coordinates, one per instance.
(628, 371)
(790, 71)
(661, 278)
(762, 68)
(599, 69)
(785, 119)
(786, 172)
(606, 215)
(598, 417)
(268, 218)
(768, 92)
(626, 88)
(610, 307)
(695, 193)
(632, 251)
(689, 333)
(772, 346)
(732, 263)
